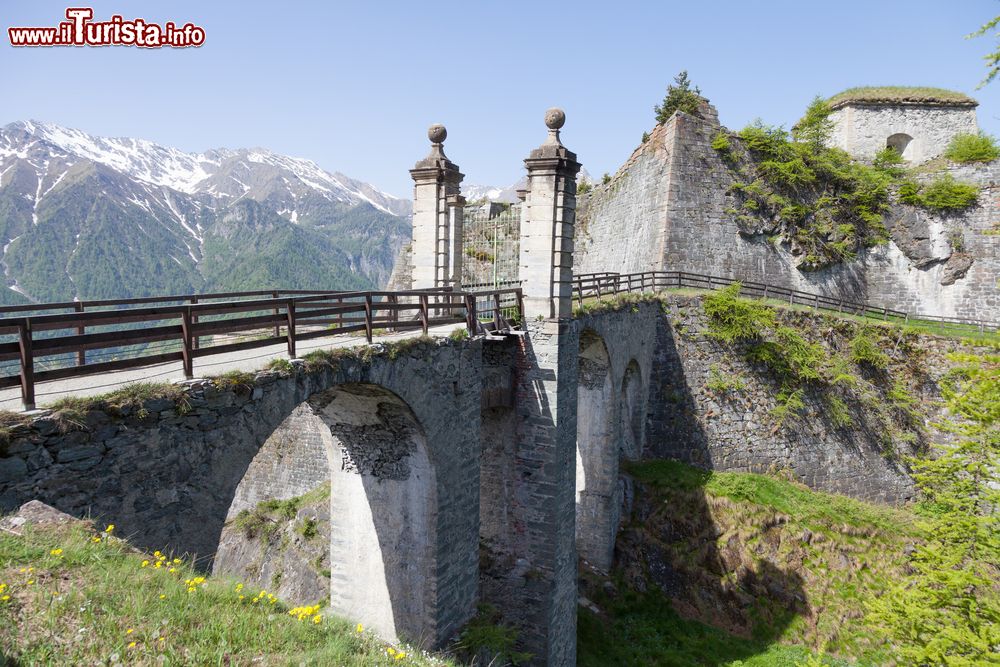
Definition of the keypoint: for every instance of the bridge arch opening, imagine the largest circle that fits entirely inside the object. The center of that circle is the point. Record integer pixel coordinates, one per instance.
(631, 412)
(378, 566)
(596, 453)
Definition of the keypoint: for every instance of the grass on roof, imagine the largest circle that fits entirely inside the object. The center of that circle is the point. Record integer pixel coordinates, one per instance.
(899, 94)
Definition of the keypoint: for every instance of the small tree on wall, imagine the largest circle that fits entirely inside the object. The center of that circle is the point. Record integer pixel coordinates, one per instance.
(680, 97)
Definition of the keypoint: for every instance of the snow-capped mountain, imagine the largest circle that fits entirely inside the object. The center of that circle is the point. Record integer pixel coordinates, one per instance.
(89, 217)
(507, 194)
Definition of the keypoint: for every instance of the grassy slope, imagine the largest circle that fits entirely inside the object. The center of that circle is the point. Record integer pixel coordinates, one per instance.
(90, 602)
(737, 544)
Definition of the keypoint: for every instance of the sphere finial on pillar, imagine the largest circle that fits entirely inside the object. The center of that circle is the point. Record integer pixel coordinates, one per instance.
(555, 118)
(437, 133)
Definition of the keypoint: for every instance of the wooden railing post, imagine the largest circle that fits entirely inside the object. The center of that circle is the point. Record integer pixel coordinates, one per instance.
(277, 311)
(27, 365)
(81, 356)
(470, 314)
(424, 314)
(290, 317)
(520, 307)
(393, 313)
(194, 320)
(368, 317)
(579, 293)
(496, 311)
(187, 349)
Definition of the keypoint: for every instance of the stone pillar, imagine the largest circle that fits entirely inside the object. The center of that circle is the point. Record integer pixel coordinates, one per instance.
(546, 258)
(456, 217)
(436, 193)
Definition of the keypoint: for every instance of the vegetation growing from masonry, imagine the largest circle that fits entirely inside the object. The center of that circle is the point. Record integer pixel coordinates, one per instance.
(128, 400)
(849, 383)
(946, 608)
(966, 147)
(681, 96)
(486, 635)
(71, 596)
(944, 194)
(826, 206)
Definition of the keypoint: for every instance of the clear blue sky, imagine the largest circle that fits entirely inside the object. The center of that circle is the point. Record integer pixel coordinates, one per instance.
(353, 85)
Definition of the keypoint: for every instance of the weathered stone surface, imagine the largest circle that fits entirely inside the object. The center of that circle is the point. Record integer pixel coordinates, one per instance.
(12, 469)
(956, 268)
(919, 131)
(35, 513)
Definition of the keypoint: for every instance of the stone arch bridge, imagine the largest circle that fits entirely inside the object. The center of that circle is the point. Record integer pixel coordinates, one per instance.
(461, 470)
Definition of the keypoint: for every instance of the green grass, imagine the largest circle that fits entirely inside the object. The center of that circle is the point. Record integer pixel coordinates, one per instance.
(81, 605)
(813, 508)
(645, 630)
(721, 541)
(899, 94)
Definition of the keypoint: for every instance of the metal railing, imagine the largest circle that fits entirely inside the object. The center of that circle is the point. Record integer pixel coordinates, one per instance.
(286, 316)
(598, 285)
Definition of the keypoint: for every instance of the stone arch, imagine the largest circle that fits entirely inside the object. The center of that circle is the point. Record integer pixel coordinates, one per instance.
(902, 143)
(367, 444)
(596, 452)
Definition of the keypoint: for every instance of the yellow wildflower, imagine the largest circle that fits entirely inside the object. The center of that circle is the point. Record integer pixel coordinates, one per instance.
(110, 529)
(157, 554)
(390, 651)
(95, 539)
(163, 597)
(239, 587)
(242, 596)
(192, 590)
(359, 629)
(131, 645)
(31, 581)
(162, 639)
(55, 552)
(400, 655)
(129, 631)
(4, 598)
(145, 563)
(317, 619)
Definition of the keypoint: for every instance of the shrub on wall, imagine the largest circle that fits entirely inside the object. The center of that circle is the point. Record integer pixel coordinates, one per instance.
(943, 194)
(967, 147)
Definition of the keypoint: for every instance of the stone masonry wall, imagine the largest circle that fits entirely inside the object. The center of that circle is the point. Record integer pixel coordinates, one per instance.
(862, 129)
(167, 479)
(736, 431)
(666, 208)
(291, 462)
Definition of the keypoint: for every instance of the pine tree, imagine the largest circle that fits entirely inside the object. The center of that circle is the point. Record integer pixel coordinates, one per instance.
(947, 610)
(680, 97)
(815, 128)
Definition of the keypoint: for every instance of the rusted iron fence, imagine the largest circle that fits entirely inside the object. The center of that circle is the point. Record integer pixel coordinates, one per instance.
(192, 329)
(598, 285)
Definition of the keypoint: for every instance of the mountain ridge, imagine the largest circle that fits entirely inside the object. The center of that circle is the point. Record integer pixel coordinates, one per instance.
(83, 216)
